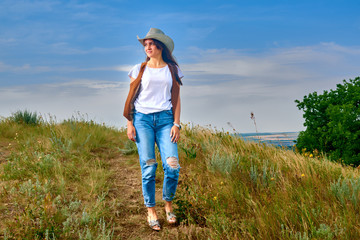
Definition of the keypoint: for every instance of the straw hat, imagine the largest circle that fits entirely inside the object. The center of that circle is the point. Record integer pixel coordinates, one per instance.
(159, 35)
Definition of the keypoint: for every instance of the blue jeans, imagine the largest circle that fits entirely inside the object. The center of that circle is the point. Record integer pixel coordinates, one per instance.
(150, 129)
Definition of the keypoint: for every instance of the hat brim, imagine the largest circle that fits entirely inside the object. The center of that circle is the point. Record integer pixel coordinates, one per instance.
(167, 41)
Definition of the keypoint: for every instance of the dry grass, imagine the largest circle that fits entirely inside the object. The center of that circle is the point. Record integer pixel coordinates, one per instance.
(80, 180)
(255, 191)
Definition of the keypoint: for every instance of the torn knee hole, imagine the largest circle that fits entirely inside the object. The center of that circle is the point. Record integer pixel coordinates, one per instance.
(150, 162)
(173, 162)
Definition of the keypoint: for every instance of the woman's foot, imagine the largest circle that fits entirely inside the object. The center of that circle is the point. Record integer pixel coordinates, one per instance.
(154, 224)
(153, 220)
(170, 216)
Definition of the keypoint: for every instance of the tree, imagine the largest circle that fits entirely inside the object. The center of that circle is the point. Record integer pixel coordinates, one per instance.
(332, 122)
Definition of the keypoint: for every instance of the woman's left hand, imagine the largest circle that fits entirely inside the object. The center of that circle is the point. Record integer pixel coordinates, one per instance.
(175, 134)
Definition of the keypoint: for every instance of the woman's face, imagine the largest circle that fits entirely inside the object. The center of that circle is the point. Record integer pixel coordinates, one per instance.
(150, 49)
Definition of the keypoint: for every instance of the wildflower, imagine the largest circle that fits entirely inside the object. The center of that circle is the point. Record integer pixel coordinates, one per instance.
(16, 134)
(222, 183)
(311, 155)
(9, 144)
(316, 152)
(272, 179)
(302, 175)
(215, 198)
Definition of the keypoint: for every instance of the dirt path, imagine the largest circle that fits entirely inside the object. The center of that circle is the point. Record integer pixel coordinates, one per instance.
(130, 214)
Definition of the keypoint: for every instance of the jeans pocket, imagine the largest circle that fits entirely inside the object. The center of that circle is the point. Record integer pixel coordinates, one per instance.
(169, 112)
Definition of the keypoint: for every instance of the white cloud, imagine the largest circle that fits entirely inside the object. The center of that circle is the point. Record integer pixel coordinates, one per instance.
(23, 68)
(220, 86)
(297, 63)
(64, 48)
(23, 8)
(85, 83)
(341, 49)
(28, 68)
(185, 17)
(7, 41)
(101, 100)
(226, 85)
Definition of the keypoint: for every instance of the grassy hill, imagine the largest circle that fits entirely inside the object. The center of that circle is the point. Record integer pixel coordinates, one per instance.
(80, 180)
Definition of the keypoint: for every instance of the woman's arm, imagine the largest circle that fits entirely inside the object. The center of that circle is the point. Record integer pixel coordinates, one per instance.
(131, 132)
(178, 110)
(175, 131)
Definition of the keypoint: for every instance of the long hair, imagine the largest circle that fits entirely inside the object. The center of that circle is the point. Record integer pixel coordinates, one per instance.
(168, 58)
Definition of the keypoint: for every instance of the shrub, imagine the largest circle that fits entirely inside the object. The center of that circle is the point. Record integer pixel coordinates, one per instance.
(26, 117)
(224, 163)
(332, 122)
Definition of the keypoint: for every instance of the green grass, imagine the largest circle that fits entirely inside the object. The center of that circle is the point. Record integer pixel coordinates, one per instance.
(56, 179)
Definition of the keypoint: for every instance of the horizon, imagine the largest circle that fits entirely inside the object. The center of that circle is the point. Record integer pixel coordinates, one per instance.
(61, 58)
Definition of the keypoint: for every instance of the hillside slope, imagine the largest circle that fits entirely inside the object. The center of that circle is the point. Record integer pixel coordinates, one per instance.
(81, 180)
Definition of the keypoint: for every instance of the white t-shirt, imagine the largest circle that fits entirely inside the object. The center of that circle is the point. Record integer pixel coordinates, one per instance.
(155, 89)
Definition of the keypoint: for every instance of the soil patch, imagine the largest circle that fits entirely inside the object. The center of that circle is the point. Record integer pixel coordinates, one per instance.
(130, 214)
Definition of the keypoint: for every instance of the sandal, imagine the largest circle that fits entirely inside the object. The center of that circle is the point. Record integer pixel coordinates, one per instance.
(154, 224)
(170, 217)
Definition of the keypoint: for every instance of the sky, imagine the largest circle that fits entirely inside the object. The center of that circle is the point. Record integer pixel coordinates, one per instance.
(71, 58)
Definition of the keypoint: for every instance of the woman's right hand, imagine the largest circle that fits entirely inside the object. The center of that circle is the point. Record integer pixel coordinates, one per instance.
(131, 133)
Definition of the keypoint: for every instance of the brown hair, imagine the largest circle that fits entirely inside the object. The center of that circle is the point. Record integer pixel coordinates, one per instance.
(168, 58)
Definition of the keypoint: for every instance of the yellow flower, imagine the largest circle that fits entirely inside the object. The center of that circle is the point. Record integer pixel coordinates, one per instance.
(311, 155)
(222, 183)
(215, 198)
(302, 175)
(272, 179)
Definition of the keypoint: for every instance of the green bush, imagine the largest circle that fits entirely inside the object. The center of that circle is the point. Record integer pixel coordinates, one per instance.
(332, 122)
(26, 117)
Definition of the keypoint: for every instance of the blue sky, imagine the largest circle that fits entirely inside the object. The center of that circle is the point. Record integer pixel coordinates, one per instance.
(61, 57)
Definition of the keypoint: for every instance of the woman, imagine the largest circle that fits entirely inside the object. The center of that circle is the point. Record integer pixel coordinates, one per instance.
(153, 112)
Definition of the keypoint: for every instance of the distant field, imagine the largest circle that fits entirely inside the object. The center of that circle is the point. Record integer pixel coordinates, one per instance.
(285, 139)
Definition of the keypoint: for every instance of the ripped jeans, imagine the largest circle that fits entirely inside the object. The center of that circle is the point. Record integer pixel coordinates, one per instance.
(150, 129)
